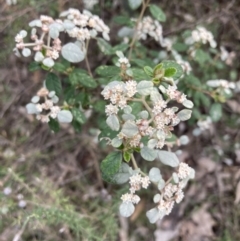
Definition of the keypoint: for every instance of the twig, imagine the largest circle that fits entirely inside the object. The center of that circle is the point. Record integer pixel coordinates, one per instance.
(144, 7)
(134, 161)
(86, 59)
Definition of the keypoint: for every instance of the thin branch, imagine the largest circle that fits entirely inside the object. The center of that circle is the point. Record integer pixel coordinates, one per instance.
(144, 7)
(86, 59)
(134, 162)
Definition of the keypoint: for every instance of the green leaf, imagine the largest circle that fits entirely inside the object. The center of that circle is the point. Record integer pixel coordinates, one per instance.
(33, 66)
(216, 112)
(170, 72)
(107, 132)
(158, 68)
(78, 77)
(206, 101)
(148, 70)
(122, 175)
(202, 57)
(139, 74)
(59, 67)
(78, 115)
(180, 47)
(120, 47)
(54, 125)
(191, 79)
(157, 13)
(100, 106)
(104, 46)
(172, 64)
(123, 20)
(110, 165)
(142, 62)
(77, 126)
(53, 83)
(108, 71)
(127, 156)
(136, 107)
(69, 95)
(173, 138)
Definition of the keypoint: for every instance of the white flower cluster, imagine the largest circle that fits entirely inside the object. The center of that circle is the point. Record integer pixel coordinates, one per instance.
(46, 109)
(153, 28)
(150, 27)
(227, 56)
(46, 31)
(118, 93)
(83, 26)
(48, 40)
(155, 122)
(136, 183)
(171, 193)
(224, 85)
(7, 191)
(123, 62)
(203, 125)
(201, 35)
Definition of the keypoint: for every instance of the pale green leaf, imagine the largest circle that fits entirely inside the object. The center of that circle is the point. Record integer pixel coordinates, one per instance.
(148, 154)
(113, 122)
(126, 209)
(64, 116)
(129, 129)
(168, 158)
(145, 87)
(134, 4)
(155, 174)
(184, 114)
(72, 53)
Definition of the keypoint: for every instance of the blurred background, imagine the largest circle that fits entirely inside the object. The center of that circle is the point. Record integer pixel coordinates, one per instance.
(50, 183)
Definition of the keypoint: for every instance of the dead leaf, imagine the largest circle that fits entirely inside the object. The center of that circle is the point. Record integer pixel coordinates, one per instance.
(200, 228)
(207, 164)
(234, 105)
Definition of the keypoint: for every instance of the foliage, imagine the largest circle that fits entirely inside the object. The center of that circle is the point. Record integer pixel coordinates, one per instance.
(137, 97)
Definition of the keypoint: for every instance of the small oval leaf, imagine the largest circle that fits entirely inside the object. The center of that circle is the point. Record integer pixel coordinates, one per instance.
(64, 116)
(72, 53)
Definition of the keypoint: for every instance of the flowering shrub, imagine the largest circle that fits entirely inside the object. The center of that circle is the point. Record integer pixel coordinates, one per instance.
(142, 95)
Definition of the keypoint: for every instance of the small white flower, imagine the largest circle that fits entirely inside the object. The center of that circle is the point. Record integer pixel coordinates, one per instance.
(111, 109)
(22, 203)
(145, 182)
(7, 191)
(184, 171)
(179, 196)
(18, 38)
